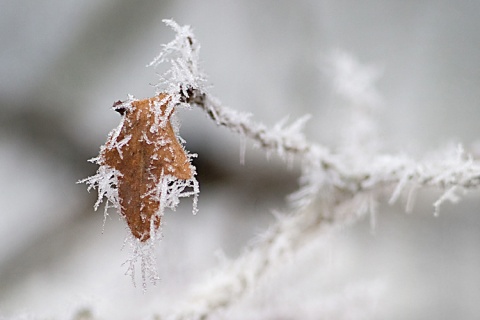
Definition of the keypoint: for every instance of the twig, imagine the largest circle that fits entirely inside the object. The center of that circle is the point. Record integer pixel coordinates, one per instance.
(343, 188)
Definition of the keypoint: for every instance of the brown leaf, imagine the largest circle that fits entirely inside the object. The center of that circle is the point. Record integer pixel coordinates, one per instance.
(145, 149)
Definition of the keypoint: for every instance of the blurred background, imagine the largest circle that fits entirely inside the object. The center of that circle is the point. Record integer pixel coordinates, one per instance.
(63, 64)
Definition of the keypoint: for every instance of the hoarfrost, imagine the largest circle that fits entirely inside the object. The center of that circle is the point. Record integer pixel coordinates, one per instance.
(336, 187)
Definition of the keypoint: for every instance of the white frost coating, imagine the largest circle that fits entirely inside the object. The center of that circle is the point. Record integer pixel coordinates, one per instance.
(400, 187)
(143, 256)
(106, 182)
(169, 190)
(182, 53)
(448, 195)
(119, 144)
(161, 118)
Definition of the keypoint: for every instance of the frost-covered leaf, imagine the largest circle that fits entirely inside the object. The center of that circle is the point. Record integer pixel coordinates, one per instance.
(152, 169)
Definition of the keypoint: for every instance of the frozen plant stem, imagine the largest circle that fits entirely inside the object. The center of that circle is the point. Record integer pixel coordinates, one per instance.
(336, 187)
(343, 189)
(342, 194)
(458, 170)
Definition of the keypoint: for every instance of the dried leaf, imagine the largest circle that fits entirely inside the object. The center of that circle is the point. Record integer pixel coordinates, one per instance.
(143, 149)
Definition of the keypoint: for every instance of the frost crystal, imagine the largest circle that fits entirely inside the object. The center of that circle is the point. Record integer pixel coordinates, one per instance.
(184, 74)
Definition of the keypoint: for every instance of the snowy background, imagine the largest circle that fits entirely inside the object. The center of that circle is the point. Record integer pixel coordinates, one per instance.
(63, 64)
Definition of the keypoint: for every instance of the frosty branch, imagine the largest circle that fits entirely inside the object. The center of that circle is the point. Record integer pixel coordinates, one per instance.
(344, 189)
(456, 171)
(336, 187)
